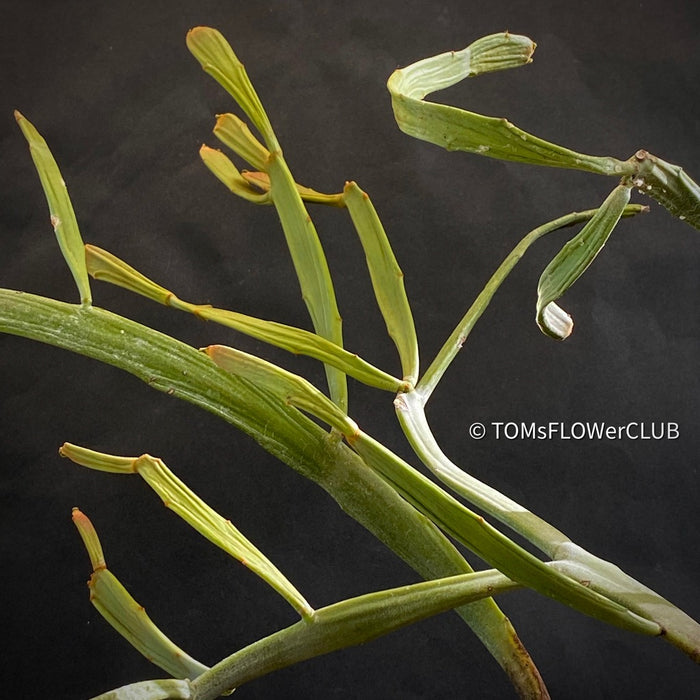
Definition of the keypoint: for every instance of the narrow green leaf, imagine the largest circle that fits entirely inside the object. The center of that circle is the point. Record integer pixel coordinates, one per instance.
(193, 510)
(310, 265)
(225, 171)
(129, 618)
(105, 266)
(369, 616)
(302, 342)
(234, 133)
(457, 129)
(571, 262)
(63, 218)
(387, 278)
(288, 387)
(217, 58)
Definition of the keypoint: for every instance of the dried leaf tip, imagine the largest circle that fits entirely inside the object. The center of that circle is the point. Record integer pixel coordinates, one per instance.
(555, 322)
(195, 33)
(89, 536)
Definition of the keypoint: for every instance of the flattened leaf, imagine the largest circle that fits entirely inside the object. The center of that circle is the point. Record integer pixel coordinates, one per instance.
(63, 219)
(288, 387)
(195, 512)
(350, 622)
(571, 262)
(387, 278)
(217, 58)
(227, 173)
(129, 618)
(457, 129)
(234, 133)
(105, 266)
(303, 342)
(311, 267)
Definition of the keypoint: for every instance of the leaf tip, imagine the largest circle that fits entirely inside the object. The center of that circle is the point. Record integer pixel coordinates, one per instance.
(196, 32)
(555, 322)
(89, 536)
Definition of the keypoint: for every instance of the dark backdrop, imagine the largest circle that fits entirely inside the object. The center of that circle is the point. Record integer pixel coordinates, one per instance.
(125, 108)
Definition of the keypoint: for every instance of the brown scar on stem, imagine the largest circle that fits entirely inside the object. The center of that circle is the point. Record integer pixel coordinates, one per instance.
(352, 438)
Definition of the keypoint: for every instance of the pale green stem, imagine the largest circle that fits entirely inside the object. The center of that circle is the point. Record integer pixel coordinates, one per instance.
(181, 371)
(597, 573)
(345, 624)
(150, 690)
(490, 544)
(411, 414)
(454, 343)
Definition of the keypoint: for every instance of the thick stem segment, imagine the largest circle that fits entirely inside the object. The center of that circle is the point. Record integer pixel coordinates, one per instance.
(346, 624)
(411, 415)
(182, 371)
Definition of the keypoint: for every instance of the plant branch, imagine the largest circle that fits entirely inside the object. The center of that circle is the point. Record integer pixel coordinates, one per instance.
(348, 623)
(182, 371)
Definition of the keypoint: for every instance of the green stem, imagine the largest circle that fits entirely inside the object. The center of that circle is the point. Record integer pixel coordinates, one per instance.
(669, 185)
(150, 690)
(179, 370)
(453, 344)
(346, 624)
(411, 414)
(493, 546)
(600, 575)
(574, 561)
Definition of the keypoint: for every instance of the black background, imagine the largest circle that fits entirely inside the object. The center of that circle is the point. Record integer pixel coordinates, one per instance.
(125, 107)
